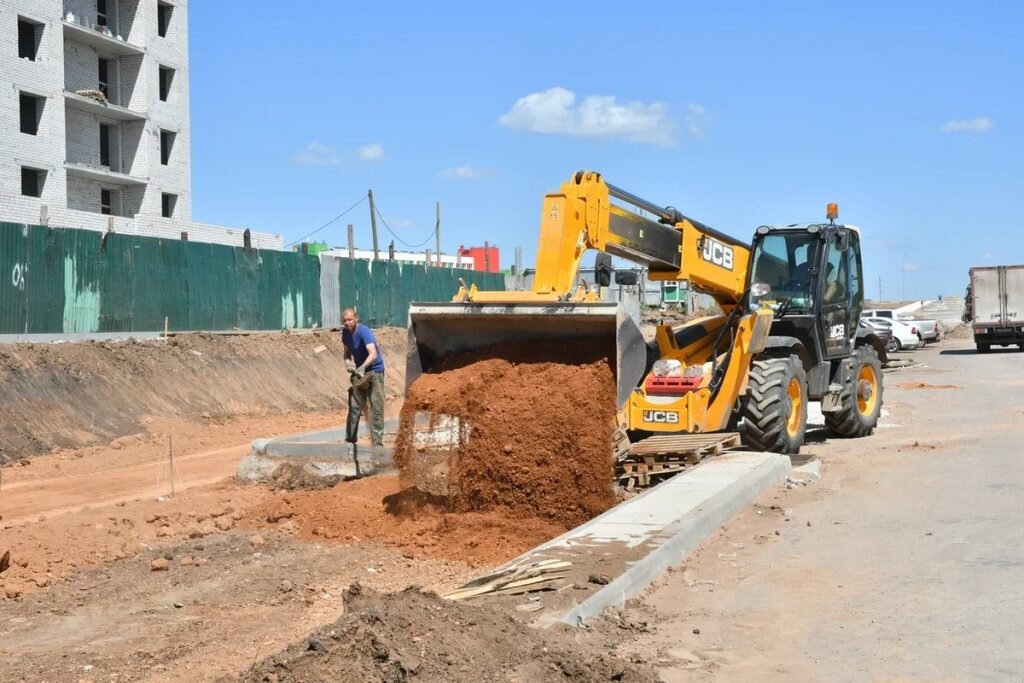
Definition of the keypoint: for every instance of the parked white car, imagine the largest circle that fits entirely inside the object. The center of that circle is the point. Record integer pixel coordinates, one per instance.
(905, 335)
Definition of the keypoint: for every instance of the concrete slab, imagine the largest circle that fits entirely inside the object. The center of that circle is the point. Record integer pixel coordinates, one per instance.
(634, 542)
(324, 460)
(64, 338)
(320, 454)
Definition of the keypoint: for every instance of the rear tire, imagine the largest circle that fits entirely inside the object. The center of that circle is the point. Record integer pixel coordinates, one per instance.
(984, 348)
(861, 400)
(899, 344)
(775, 409)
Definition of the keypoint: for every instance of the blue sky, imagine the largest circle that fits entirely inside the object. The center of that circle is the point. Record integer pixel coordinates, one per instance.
(739, 114)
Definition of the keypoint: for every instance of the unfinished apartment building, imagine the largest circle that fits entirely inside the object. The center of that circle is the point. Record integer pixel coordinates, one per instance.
(94, 118)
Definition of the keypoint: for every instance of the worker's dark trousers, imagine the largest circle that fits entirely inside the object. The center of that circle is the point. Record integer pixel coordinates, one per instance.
(357, 397)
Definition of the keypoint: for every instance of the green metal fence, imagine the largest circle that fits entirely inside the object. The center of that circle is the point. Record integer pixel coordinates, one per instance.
(382, 290)
(58, 280)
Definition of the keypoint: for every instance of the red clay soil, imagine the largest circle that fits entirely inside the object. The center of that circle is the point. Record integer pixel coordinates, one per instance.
(926, 385)
(378, 509)
(541, 416)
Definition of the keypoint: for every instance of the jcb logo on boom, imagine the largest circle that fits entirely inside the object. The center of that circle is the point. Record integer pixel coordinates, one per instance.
(717, 253)
(670, 417)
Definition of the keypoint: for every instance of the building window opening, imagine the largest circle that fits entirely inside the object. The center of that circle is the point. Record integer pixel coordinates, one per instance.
(163, 18)
(105, 145)
(106, 202)
(166, 145)
(32, 181)
(30, 36)
(101, 12)
(31, 109)
(166, 78)
(104, 77)
(167, 204)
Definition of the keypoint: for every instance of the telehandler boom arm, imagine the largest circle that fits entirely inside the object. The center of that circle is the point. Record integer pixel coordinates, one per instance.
(582, 216)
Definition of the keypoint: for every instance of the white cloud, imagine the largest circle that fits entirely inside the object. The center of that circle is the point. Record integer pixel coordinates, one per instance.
(982, 124)
(317, 154)
(696, 120)
(555, 111)
(911, 267)
(464, 173)
(372, 152)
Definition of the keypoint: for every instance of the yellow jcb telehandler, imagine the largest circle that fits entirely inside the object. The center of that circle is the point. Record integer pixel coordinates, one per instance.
(787, 334)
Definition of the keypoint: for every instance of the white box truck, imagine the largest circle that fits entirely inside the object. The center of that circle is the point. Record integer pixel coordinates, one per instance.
(995, 306)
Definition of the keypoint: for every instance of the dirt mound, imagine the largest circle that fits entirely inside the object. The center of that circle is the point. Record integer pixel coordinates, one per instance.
(961, 331)
(417, 635)
(378, 508)
(291, 476)
(533, 423)
(90, 393)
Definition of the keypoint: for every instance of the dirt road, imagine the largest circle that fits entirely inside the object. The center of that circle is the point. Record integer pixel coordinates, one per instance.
(904, 563)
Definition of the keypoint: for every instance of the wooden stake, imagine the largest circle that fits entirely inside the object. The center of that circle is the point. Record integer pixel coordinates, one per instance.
(170, 456)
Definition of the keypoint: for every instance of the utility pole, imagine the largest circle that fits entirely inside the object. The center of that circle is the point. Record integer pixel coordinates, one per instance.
(373, 225)
(487, 257)
(879, 287)
(351, 242)
(437, 232)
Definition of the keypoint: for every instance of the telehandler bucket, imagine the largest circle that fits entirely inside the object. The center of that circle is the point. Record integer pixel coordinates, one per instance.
(442, 329)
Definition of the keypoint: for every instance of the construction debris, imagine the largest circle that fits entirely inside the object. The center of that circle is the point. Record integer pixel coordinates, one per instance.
(514, 580)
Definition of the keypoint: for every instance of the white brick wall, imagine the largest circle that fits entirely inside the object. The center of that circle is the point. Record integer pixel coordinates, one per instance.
(18, 209)
(68, 134)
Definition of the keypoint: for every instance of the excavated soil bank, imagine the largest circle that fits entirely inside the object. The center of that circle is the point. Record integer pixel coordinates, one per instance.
(88, 393)
(416, 635)
(535, 429)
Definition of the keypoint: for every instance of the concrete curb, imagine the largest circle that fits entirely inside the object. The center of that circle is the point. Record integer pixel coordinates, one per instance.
(717, 490)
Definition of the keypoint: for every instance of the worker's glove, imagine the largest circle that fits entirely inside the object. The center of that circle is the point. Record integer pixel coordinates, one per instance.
(359, 377)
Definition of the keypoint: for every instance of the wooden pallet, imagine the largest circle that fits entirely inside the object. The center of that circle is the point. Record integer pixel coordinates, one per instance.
(659, 457)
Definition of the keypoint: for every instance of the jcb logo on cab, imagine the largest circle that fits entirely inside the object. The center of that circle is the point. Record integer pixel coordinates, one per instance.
(661, 416)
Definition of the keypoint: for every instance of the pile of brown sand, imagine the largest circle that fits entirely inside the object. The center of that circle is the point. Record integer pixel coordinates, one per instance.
(418, 636)
(536, 429)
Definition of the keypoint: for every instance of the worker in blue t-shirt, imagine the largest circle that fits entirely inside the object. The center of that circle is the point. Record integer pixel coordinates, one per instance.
(367, 377)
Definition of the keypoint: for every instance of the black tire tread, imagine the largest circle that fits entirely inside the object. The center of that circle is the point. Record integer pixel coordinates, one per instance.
(767, 406)
(847, 421)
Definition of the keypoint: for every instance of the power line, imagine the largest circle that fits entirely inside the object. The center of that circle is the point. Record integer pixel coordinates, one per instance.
(361, 200)
(411, 246)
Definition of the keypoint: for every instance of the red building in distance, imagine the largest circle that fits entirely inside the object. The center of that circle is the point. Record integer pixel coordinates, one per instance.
(485, 258)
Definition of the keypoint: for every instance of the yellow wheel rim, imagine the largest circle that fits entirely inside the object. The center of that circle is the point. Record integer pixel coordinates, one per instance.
(796, 406)
(867, 390)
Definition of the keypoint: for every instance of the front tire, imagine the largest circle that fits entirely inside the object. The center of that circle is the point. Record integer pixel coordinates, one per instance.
(984, 348)
(775, 410)
(861, 399)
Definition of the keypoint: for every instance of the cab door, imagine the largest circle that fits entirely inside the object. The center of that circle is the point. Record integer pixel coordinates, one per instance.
(836, 297)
